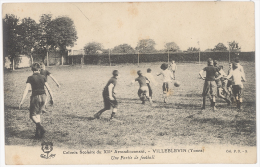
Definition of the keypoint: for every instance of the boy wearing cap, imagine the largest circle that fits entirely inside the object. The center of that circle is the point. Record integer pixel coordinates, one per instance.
(167, 77)
(37, 100)
(143, 91)
(209, 84)
(109, 96)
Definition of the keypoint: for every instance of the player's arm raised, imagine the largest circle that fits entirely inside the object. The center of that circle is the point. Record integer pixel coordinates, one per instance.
(53, 78)
(28, 85)
(50, 92)
(110, 91)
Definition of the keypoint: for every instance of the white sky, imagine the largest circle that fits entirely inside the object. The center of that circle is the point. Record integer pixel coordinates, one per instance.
(184, 23)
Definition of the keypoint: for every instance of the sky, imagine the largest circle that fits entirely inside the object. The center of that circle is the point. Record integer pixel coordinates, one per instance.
(188, 24)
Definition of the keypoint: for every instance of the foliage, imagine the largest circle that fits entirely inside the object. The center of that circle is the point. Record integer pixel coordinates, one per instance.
(171, 46)
(233, 46)
(220, 47)
(92, 48)
(145, 46)
(12, 45)
(61, 33)
(193, 49)
(123, 48)
(29, 35)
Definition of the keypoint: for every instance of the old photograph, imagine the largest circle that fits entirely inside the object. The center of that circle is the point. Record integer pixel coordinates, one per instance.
(129, 83)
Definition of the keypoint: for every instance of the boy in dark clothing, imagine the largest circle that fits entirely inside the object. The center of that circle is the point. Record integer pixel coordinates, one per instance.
(143, 91)
(109, 96)
(209, 84)
(37, 100)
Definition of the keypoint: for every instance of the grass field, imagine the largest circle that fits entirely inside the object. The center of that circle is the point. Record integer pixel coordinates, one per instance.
(68, 123)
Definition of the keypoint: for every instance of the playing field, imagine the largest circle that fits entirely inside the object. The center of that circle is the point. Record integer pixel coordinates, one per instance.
(69, 122)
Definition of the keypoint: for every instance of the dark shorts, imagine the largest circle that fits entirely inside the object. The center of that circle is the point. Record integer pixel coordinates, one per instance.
(37, 104)
(165, 87)
(209, 86)
(109, 103)
(229, 83)
(237, 91)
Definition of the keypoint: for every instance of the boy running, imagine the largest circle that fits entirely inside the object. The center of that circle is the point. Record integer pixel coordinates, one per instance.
(167, 77)
(238, 77)
(143, 91)
(209, 84)
(37, 100)
(109, 96)
(150, 80)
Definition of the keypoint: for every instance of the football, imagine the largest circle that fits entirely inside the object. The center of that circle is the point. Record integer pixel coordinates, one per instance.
(176, 84)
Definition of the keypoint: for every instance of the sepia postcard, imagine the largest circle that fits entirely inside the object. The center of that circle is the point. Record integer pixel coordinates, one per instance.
(90, 83)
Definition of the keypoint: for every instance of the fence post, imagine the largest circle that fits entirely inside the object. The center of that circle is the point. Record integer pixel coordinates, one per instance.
(168, 57)
(199, 57)
(109, 57)
(138, 58)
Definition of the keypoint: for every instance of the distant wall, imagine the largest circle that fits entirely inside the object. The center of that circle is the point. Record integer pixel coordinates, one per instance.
(163, 57)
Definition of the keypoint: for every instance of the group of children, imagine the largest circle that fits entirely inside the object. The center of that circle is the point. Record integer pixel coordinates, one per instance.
(216, 82)
(144, 91)
(226, 86)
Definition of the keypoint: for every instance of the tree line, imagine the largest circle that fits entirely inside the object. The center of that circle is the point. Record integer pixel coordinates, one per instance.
(148, 46)
(26, 36)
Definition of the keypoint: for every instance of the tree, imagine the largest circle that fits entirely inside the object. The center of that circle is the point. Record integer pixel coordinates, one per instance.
(29, 36)
(43, 40)
(171, 46)
(123, 48)
(220, 47)
(233, 46)
(61, 33)
(193, 49)
(92, 48)
(146, 46)
(11, 40)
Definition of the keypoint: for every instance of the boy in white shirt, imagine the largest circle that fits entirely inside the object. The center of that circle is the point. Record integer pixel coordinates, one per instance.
(238, 77)
(173, 68)
(150, 80)
(167, 77)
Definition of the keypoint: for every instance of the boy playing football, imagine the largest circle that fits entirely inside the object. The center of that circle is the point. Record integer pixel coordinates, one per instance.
(143, 91)
(109, 96)
(173, 68)
(46, 73)
(238, 77)
(209, 84)
(37, 100)
(150, 80)
(167, 77)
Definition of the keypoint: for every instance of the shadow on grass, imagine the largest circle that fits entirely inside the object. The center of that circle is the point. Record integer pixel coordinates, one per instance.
(178, 106)
(71, 116)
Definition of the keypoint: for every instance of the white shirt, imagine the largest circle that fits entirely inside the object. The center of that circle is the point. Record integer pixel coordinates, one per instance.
(173, 67)
(237, 76)
(150, 77)
(167, 75)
